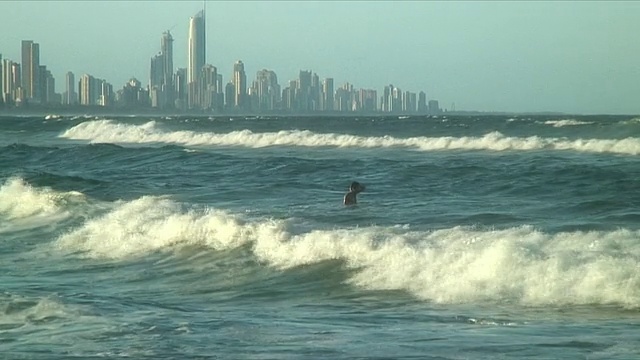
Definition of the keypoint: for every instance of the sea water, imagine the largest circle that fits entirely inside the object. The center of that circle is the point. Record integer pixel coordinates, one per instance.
(187, 237)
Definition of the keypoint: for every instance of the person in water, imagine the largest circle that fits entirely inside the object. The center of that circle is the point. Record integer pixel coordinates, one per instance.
(354, 189)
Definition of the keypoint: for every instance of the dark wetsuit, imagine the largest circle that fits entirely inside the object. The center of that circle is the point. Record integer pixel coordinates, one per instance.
(350, 197)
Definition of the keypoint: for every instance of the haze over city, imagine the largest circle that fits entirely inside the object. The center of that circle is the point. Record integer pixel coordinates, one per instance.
(573, 57)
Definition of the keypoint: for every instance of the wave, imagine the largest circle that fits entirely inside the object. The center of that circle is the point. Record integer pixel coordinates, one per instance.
(18, 310)
(109, 131)
(456, 265)
(19, 200)
(630, 121)
(567, 122)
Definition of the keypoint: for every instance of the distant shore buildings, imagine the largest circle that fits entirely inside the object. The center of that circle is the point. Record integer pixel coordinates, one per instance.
(198, 87)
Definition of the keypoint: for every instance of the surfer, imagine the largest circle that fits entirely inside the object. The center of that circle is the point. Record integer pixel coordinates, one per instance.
(354, 189)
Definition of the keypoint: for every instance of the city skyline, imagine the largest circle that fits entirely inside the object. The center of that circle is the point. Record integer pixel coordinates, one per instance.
(198, 87)
(530, 57)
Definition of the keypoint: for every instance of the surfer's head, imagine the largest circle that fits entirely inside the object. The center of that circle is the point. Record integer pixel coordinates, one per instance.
(355, 186)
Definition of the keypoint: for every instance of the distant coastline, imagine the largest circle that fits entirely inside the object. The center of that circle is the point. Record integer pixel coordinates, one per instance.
(99, 110)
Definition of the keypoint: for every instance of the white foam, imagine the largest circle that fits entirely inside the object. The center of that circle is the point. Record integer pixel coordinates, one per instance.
(20, 201)
(20, 310)
(109, 131)
(457, 265)
(567, 122)
(150, 224)
(630, 121)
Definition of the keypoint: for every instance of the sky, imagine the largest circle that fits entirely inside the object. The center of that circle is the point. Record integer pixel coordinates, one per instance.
(578, 57)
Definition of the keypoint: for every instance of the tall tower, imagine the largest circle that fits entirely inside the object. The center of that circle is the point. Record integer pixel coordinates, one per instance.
(86, 89)
(31, 69)
(196, 58)
(10, 80)
(327, 94)
(166, 49)
(70, 97)
(422, 102)
(197, 46)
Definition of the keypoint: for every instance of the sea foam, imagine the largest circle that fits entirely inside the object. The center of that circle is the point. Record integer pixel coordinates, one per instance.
(567, 122)
(456, 265)
(22, 203)
(109, 131)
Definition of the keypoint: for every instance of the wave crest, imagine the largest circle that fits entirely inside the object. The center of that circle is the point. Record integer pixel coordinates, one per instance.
(460, 264)
(110, 131)
(19, 200)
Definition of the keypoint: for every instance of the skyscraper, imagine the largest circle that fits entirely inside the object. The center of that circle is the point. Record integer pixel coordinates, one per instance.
(240, 84)
(303, 92)
(422, 102)
(434, 107)
(197, 46)
(31, 69)
(327, 94)
(208, 87)
(161, 87)
(267, 90)
(86, 88)
(181, 89)
(70, 93)
(166, 49)
(196, 57)
(10, 80)
(47, 86)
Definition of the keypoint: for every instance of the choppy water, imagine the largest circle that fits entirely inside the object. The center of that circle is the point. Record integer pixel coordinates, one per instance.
(217, 237)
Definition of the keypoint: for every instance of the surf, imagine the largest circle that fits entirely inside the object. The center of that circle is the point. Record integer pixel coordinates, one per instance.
(152, 133)
(462, 264)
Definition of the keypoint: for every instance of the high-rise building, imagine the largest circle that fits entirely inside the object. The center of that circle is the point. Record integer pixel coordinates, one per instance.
(86, 89)
(196, 57)
(106, 94)
(240, 84)
(166, 49)
(409, 102)
(303, 91)
(31, 69)
(132, 95)
(197, 46)
(434, 107)
(266, 91)
(367, 100)
(47, 86)
(422, 102)
(343, 101)
(11, 88)
(208, 87)
(314, 93)
(161, 87)
(70, 97)
(181, 89)
(387, 99)
(229, 95)
(327, 94)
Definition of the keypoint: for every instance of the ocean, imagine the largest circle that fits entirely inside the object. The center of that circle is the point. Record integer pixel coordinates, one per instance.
(225, 237)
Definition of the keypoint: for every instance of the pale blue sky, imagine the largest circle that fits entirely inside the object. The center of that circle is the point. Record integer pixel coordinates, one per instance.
(576, 57)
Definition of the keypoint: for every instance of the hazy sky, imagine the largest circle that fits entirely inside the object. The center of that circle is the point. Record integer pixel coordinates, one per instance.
(576, 57)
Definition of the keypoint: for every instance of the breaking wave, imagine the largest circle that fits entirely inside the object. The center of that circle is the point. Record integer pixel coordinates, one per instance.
(109, 131)
(455, 265)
